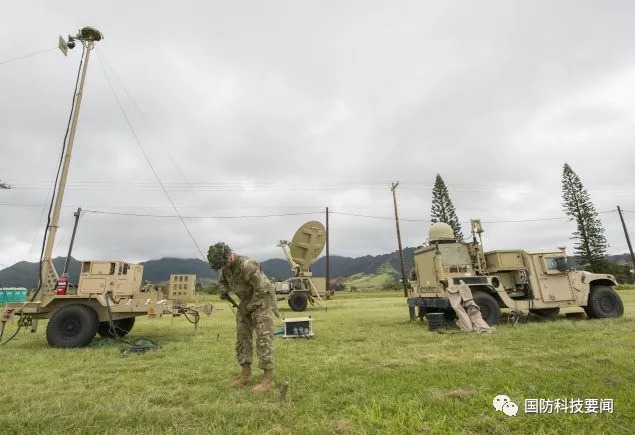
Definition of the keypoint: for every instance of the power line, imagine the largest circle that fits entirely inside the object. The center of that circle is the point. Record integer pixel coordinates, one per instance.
(157, 137)
(465, 222)
(146, 156)
(202, 217)
(27, 55)
(96, 211)
(275, 186)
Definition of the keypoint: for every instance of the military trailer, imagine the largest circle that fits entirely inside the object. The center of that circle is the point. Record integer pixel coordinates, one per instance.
(108, 296)
(106, 301)
(298, 291)
(540, 282)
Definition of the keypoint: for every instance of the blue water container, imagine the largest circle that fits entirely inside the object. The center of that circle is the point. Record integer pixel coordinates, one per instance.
(12, 294)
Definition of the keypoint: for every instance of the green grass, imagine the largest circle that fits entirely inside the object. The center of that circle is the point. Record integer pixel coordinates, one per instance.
(368, 370)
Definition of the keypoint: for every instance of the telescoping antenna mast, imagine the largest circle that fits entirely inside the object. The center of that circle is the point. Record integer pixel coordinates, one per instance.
(48, 275)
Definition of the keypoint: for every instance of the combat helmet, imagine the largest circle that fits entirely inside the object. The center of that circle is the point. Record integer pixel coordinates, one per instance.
(217, 255)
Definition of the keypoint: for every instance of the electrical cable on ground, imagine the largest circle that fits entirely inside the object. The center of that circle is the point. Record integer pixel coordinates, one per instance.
(12, 337)
(138, 345)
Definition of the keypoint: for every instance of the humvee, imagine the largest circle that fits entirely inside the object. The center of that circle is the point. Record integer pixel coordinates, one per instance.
(540, 282)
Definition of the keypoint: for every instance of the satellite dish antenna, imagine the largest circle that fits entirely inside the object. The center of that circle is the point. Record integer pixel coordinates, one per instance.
(307, 244)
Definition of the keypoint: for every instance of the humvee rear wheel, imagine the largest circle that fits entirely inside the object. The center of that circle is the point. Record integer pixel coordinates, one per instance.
(122, 327)
(298, 302)
(545, 312)
(72, 326)
(490, 310)
(604, 302)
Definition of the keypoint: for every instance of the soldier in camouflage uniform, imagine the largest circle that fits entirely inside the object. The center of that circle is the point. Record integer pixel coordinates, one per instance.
(244, 277)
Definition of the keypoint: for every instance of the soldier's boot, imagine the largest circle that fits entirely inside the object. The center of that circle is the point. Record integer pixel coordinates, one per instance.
(244, 378)
(266, 384)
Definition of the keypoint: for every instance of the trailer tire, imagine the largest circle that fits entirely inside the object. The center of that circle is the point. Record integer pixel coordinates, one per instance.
(72, 326)
(604, 302)
(490, 310)
(122, 327)
(298, 302)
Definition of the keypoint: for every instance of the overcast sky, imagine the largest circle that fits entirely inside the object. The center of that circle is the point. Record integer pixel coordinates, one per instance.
(286, 107)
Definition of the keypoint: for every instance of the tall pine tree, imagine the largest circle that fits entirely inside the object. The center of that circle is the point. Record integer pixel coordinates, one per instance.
(443, 209)
(589, 235)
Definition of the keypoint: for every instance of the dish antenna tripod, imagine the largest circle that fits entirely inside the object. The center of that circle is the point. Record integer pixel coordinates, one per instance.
(305, 247)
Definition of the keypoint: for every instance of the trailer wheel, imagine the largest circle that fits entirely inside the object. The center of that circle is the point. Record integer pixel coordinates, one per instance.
(72, 326)
(298, 302)
(490, 310)
(122, 327)
(545, 312)
(604, 302)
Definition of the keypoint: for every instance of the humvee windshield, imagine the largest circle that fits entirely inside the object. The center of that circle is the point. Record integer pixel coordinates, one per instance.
(556, 264)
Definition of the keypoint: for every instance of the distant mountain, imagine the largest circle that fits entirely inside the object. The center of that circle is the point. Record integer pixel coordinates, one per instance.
(25, 274)
(619, 259)
(160, 270)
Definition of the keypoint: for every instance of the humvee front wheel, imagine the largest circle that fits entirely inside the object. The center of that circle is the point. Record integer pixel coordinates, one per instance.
(122, 327)
(604, 302)
(298, 302)
(490, 310)
(72, 326)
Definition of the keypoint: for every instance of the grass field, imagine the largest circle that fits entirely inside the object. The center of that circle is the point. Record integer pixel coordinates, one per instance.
(367, 370)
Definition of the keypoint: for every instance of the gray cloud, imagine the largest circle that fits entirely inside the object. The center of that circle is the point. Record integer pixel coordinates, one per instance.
(276, 108)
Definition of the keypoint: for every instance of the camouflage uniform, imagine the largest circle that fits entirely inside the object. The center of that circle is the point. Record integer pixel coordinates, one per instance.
(257, 305)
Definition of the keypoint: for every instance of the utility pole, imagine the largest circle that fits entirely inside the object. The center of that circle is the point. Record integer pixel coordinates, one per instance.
(403, 267)
(628, 240)
(328, 276)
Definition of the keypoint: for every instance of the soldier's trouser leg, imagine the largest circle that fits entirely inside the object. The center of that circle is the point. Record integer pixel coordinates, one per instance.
(244, 336)
(263, 323)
